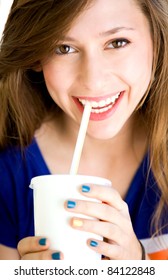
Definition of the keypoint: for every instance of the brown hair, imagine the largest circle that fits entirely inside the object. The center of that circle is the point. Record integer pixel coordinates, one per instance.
(31, 32)
(30, 35)
(154, 107)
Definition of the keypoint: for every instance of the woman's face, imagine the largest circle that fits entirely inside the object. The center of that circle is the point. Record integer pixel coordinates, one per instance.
(105, 59)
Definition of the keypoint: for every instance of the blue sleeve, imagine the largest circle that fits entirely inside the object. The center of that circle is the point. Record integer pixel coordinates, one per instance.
(8, 209)
(16, 198)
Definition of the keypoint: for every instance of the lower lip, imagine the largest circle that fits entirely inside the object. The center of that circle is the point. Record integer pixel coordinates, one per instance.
(101, 116)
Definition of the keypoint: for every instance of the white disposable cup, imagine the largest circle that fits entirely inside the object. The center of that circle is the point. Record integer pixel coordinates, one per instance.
(52, 220)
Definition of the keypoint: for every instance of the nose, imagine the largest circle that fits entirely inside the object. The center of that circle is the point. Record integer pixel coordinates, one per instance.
(94, 73)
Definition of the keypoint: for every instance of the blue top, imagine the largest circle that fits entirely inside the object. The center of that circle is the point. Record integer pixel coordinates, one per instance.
(16, 198)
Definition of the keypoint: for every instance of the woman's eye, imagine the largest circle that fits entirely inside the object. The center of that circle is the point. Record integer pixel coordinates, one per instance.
(119, 43)
(64, 49)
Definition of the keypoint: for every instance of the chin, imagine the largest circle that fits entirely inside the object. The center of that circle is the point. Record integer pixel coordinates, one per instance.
(103, 134)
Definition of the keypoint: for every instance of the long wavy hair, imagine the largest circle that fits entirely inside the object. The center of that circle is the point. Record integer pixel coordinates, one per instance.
(31, 33)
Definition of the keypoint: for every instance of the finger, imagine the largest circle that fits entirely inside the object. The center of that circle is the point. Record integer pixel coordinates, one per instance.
(32, 244)
(44, 255)
(105, 194)
(110, 251)
(115, 251)
(126, 243)
(105, 229)
(97, 210)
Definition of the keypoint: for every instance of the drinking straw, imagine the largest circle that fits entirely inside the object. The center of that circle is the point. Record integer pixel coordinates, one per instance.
(80, 139)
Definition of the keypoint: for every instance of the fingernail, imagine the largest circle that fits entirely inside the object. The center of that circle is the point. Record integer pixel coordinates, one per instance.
(42, 241)
(77, 223)
(71, 204)
(85, 189)
(93, 243)
(55, 256)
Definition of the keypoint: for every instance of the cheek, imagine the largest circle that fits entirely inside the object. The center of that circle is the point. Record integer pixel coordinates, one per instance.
(58, 79)
(53, 82)
(138, 73)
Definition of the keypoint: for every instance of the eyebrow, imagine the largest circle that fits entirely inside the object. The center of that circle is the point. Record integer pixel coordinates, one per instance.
(102, 34)
(115, 30)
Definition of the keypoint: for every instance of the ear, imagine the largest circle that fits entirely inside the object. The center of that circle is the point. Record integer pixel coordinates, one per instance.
(37, 67)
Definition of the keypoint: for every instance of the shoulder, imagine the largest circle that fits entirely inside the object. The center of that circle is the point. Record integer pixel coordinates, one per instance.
(13, 168)
(14, 161)
(10, 161)
(17, 167)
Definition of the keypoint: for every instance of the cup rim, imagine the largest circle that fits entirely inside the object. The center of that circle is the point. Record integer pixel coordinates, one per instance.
(34, 179)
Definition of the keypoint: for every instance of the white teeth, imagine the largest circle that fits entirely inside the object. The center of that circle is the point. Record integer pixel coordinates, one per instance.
(98, 106)
(98, 111)
(102, 103)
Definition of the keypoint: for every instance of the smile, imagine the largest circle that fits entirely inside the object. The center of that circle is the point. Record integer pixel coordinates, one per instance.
(101, 106)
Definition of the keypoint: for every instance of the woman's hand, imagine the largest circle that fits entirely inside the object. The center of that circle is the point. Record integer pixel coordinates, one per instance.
(113, 223)
(37, 248)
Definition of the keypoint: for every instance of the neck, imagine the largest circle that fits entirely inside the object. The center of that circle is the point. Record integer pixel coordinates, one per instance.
(129, 139)
(116, 159)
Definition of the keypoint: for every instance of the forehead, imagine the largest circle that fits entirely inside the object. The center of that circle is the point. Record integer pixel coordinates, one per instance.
(102, 15)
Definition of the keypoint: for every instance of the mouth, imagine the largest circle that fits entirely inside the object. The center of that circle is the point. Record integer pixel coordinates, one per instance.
(101, 106)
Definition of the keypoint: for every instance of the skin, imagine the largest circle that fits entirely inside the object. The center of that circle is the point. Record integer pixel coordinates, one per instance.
(94, 69)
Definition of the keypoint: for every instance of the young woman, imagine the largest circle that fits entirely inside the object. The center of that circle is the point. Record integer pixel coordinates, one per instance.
(55, 56)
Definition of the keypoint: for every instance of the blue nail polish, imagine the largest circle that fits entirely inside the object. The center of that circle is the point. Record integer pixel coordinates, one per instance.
(56, 256)
(93, 243)
(71, 204)
(42, 241)
(85, 189)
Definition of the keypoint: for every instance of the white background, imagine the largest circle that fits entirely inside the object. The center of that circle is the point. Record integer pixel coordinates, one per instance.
(4, 10)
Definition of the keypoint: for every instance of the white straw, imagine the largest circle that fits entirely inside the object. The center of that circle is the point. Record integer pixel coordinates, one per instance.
(80, 139)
